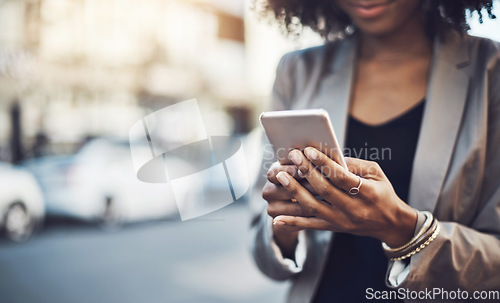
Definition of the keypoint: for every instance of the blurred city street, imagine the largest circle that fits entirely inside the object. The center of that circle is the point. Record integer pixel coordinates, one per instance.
(201, 260)
(76, 78)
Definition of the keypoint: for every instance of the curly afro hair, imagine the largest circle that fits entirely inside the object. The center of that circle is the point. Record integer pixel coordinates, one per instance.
(330, 22)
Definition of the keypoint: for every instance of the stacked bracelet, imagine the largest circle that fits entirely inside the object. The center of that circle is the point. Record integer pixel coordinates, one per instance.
(427, 233)
(423, 229)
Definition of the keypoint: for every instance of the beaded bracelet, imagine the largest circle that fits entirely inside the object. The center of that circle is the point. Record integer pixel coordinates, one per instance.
(422, 246)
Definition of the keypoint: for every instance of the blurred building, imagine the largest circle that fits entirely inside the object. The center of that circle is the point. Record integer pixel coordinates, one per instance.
(82, 67)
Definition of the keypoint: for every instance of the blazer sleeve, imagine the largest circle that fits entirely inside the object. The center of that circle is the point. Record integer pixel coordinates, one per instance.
(466, 257)
(262, 248)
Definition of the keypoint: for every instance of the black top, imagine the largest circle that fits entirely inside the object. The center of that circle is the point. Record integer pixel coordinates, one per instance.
(358, 263)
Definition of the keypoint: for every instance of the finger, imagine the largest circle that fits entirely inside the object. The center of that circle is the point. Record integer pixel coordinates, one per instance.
(338, 176)
(272, 192)
(304, 197)
(337, 197)
(276, 168)
(334, 154)
(364, 168)
(299, 223)
(338, 218)
(277, 208)
(307, 186)
(282, 227)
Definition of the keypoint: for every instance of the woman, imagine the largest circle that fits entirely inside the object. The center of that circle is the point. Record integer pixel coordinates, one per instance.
(400, 75)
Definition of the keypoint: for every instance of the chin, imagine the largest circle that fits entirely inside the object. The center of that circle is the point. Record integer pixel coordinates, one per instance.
(378, 30)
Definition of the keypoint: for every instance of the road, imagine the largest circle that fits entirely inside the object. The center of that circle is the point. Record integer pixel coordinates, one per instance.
(201, 260)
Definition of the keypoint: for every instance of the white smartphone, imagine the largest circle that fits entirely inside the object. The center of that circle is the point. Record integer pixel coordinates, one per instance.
(298, 129)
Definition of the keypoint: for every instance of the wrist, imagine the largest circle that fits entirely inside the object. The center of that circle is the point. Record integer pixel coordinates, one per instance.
(287, 242)
(402, 228)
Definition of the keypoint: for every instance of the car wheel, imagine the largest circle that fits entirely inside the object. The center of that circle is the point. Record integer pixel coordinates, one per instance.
(18, 224)
(111, 217)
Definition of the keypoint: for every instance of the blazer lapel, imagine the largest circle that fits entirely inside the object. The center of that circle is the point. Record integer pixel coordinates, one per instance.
(445, 102)
(334, 92)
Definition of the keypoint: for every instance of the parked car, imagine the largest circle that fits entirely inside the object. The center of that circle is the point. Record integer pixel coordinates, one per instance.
(21, 203)
(99, 184)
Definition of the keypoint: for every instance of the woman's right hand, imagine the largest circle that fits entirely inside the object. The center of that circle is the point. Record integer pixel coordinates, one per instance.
(280, 203)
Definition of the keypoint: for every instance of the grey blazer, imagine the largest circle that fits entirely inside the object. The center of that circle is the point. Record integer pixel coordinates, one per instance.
(456, 170)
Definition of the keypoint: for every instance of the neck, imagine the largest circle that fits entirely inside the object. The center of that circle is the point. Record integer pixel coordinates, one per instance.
(407, 42)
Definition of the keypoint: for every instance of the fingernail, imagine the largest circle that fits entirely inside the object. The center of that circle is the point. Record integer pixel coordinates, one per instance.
(276, 222)
(282, 178)
(311, 153)
(301, 174)
(295, 157)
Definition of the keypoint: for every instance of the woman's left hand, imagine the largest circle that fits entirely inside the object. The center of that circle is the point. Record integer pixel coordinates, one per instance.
(376, 211)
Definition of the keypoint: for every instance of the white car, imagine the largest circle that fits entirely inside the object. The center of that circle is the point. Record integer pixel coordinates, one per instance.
(21, 203)
(98, 183)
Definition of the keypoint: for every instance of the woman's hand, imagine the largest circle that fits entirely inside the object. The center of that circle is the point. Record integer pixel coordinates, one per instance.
(280, 203)
(376, 211)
